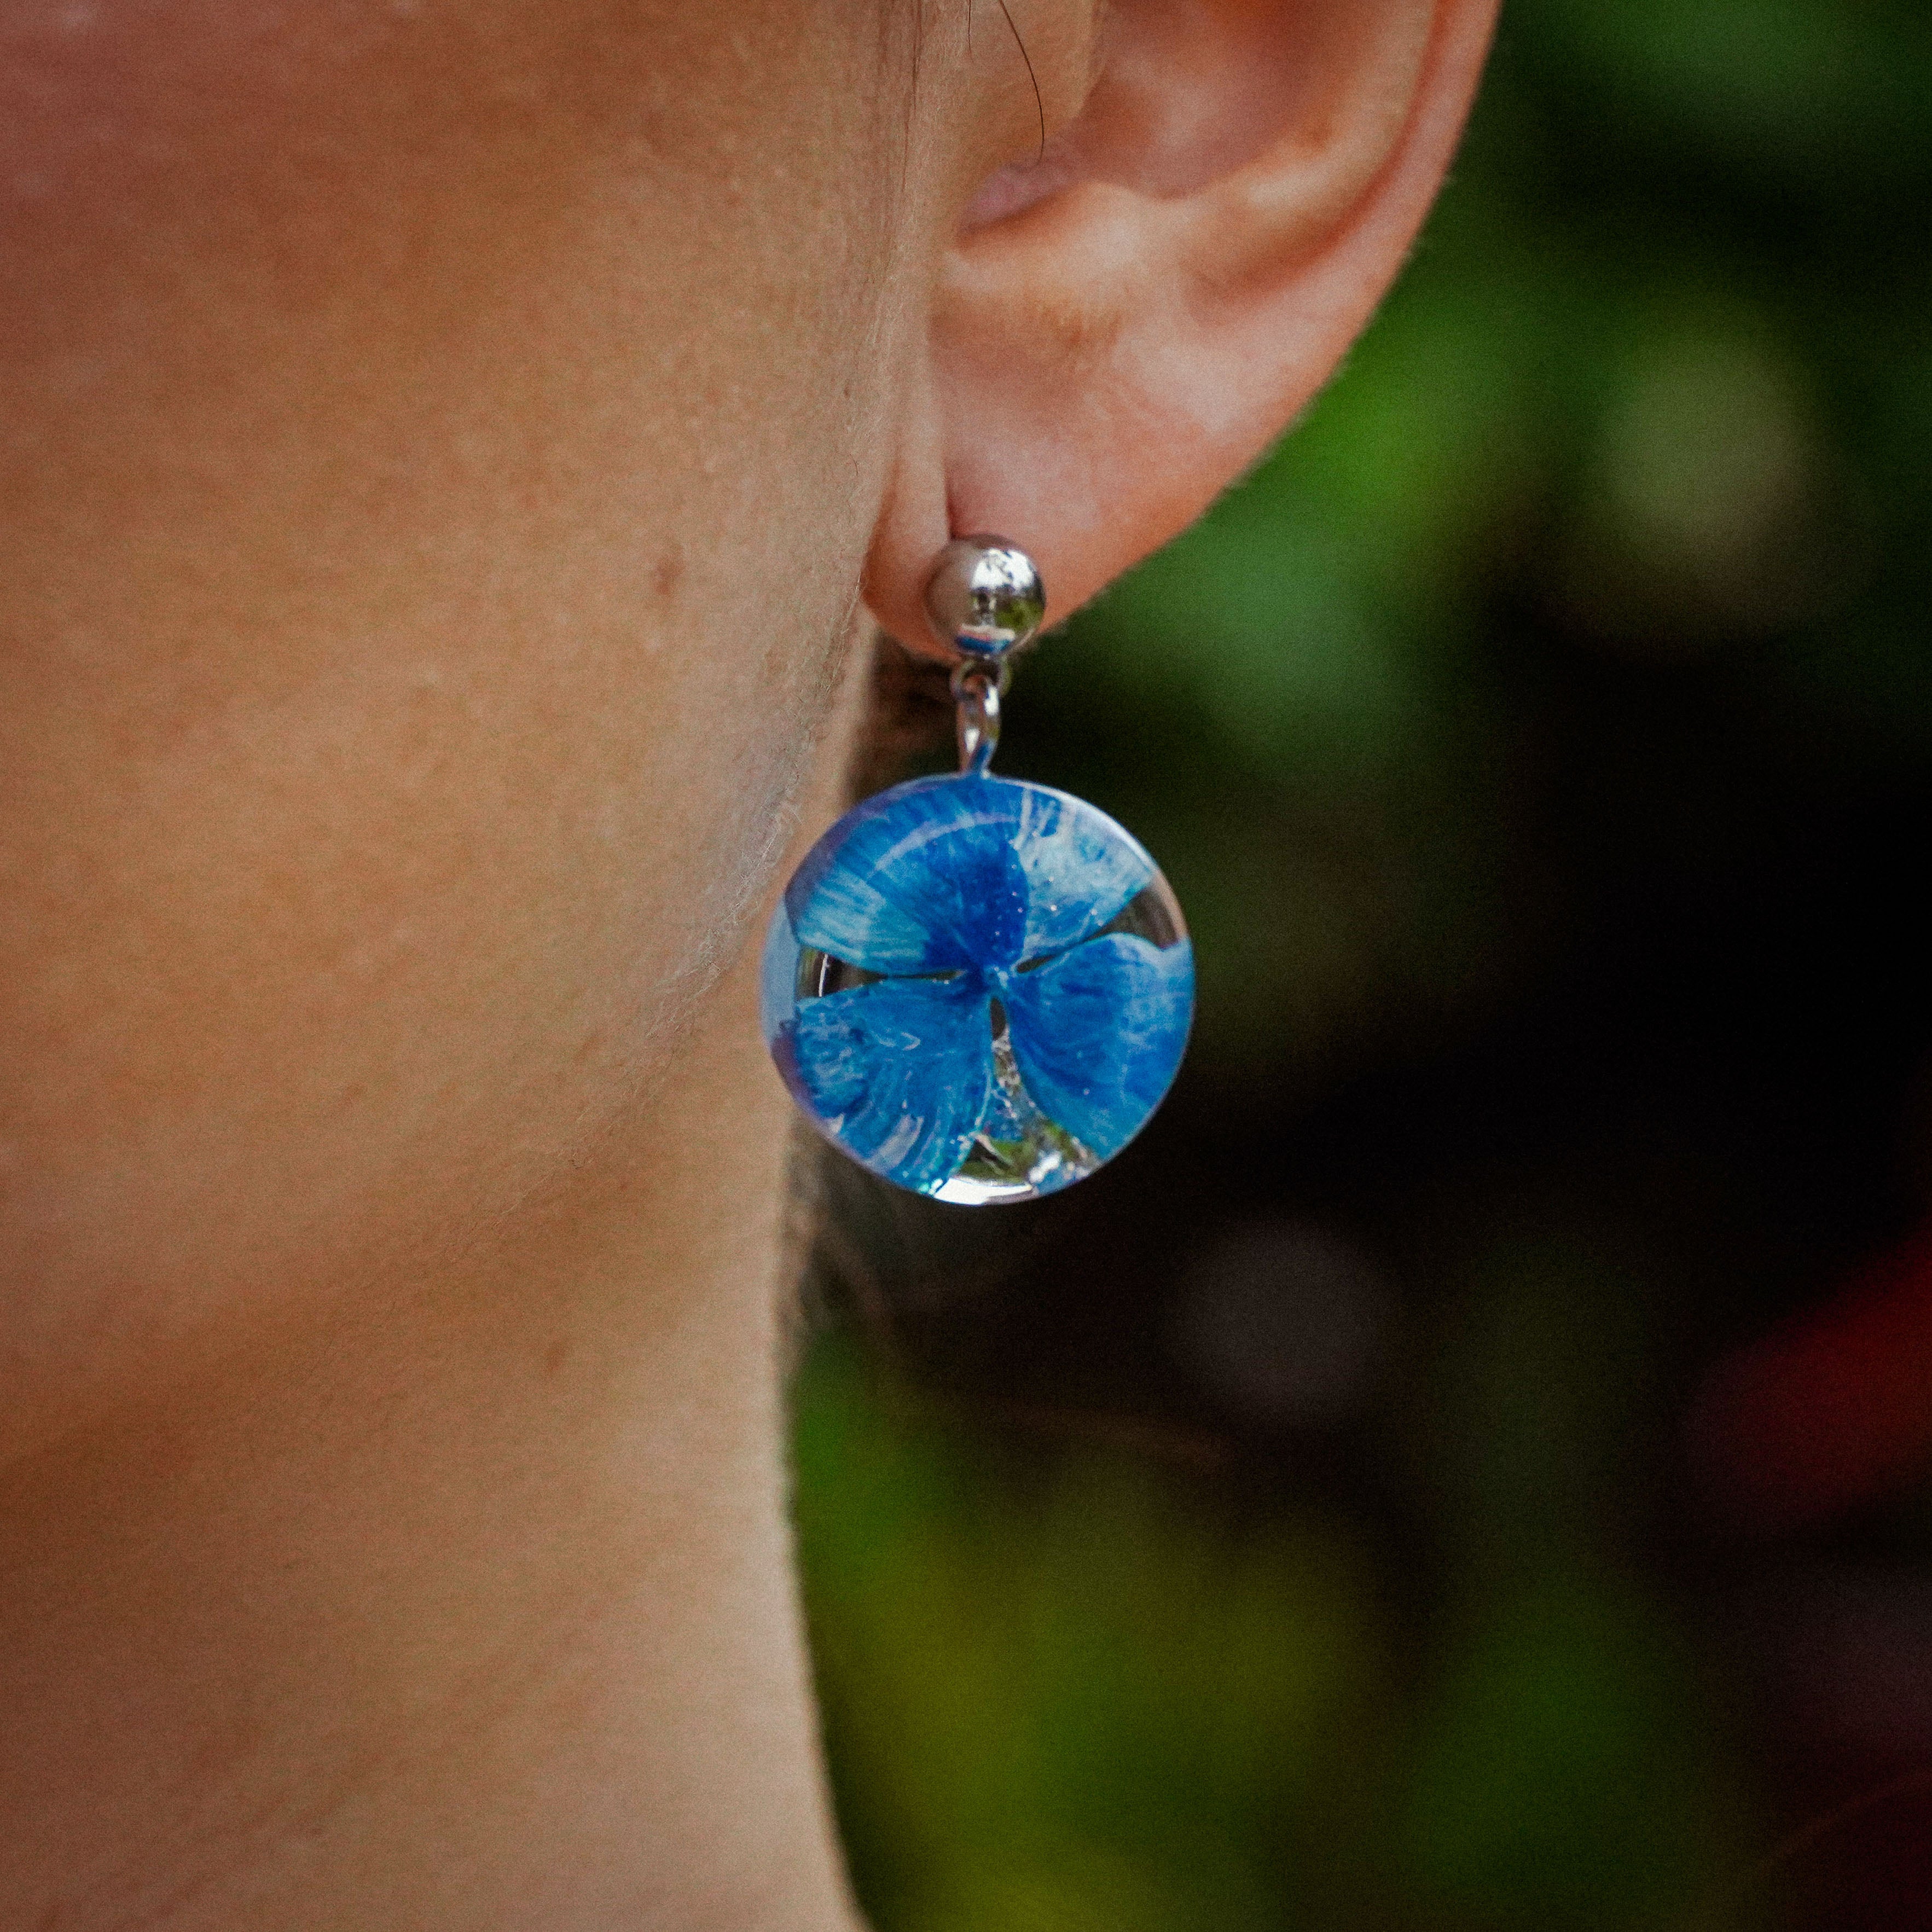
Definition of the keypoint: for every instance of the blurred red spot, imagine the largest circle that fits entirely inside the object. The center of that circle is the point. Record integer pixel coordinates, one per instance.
(1832, 1409)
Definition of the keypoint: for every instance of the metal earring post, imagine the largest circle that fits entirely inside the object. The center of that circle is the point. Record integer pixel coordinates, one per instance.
(985, 597)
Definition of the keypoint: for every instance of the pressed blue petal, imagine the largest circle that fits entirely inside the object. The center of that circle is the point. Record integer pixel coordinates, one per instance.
(919, 879)
(847, 916)
(1080, 868)
(1098, 1033)
(897, 1071)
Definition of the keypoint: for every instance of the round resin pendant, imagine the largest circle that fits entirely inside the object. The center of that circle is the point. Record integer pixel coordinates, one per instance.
(978, 988)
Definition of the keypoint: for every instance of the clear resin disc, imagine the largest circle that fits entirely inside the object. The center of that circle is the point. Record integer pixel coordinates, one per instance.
(978, 988)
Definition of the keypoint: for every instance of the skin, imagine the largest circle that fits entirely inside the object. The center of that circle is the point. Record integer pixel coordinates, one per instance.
(450, 455)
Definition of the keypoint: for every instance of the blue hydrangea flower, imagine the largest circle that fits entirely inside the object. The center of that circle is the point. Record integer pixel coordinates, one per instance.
(976, 974)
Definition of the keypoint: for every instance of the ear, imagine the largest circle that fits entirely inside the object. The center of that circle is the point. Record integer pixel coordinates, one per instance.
(1122, 326)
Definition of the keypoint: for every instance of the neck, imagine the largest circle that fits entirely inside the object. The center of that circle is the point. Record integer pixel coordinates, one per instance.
(466, 1604)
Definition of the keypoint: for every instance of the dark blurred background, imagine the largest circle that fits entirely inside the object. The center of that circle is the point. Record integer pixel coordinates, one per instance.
(1469, 1464)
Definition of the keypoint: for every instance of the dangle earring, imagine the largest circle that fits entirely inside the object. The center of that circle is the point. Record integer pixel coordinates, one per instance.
(977, 987)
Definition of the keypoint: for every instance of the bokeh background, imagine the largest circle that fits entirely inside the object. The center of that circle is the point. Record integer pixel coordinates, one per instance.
(1469, 1465)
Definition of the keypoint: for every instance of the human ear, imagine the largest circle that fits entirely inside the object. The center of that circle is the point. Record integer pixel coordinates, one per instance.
(1120, 326)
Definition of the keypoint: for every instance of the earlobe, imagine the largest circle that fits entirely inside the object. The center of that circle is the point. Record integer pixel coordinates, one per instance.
(1119, 331)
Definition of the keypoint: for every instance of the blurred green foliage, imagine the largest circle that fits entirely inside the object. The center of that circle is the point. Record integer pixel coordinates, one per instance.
(1081, 1697)
(1660, 372)
(1595, 583)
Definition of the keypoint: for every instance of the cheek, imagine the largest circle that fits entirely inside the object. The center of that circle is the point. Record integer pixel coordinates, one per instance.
(414, 654)
(323, 983)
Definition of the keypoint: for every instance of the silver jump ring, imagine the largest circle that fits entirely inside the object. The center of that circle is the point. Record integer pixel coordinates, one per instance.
(976, 690)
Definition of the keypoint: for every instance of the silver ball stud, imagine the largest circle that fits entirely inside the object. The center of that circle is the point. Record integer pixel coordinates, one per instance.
(985, 597)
